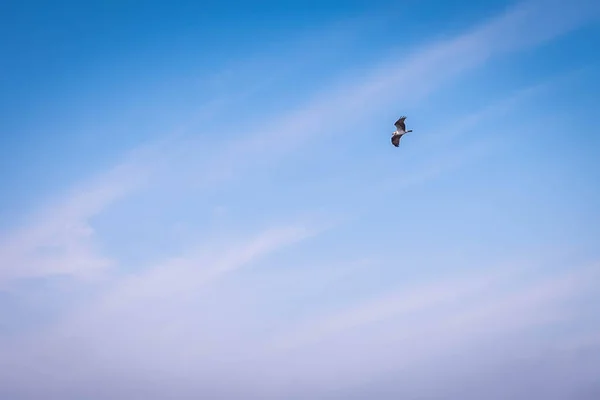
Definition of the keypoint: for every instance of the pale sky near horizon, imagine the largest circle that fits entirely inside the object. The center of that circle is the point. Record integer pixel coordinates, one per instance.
(202, 201)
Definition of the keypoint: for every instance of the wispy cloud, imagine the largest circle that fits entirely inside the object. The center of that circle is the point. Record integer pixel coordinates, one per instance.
(58, 239)
(228, 335)
(118, 321)
(401, 80)
(428, 324)
(455, 303)
(225, 306)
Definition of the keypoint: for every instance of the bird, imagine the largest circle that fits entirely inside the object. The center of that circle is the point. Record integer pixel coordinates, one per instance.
(400, 130)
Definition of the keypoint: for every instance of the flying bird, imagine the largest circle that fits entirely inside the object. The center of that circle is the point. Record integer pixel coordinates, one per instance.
(400, 130)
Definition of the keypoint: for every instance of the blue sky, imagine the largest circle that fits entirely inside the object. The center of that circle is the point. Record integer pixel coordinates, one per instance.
(202, 200)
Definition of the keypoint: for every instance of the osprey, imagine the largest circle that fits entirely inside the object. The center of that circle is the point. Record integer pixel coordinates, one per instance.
(400, 130)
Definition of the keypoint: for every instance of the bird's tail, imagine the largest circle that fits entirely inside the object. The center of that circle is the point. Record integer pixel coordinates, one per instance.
(410, 130)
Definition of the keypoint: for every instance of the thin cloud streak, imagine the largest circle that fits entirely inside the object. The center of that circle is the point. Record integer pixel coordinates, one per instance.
(58, 239)
(413, 302)
(431, 331)
(424, 71)
(118, 322)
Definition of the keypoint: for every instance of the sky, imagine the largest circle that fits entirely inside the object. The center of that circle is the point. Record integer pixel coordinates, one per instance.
(201, 200)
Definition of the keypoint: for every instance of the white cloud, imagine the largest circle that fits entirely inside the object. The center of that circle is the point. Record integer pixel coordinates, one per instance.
(58, 239)
(415, 329)
(182, 319)
(412, 77)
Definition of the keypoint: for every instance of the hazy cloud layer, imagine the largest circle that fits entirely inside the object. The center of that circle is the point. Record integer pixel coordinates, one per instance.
(241, 291)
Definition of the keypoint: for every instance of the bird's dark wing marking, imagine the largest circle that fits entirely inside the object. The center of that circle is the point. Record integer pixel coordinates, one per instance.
(400, 123)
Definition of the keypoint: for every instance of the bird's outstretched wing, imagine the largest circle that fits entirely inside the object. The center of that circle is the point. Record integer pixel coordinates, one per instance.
(396, 140)
(400, 124)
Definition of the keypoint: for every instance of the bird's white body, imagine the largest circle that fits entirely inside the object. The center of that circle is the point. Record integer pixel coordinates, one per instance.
(400, 132)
